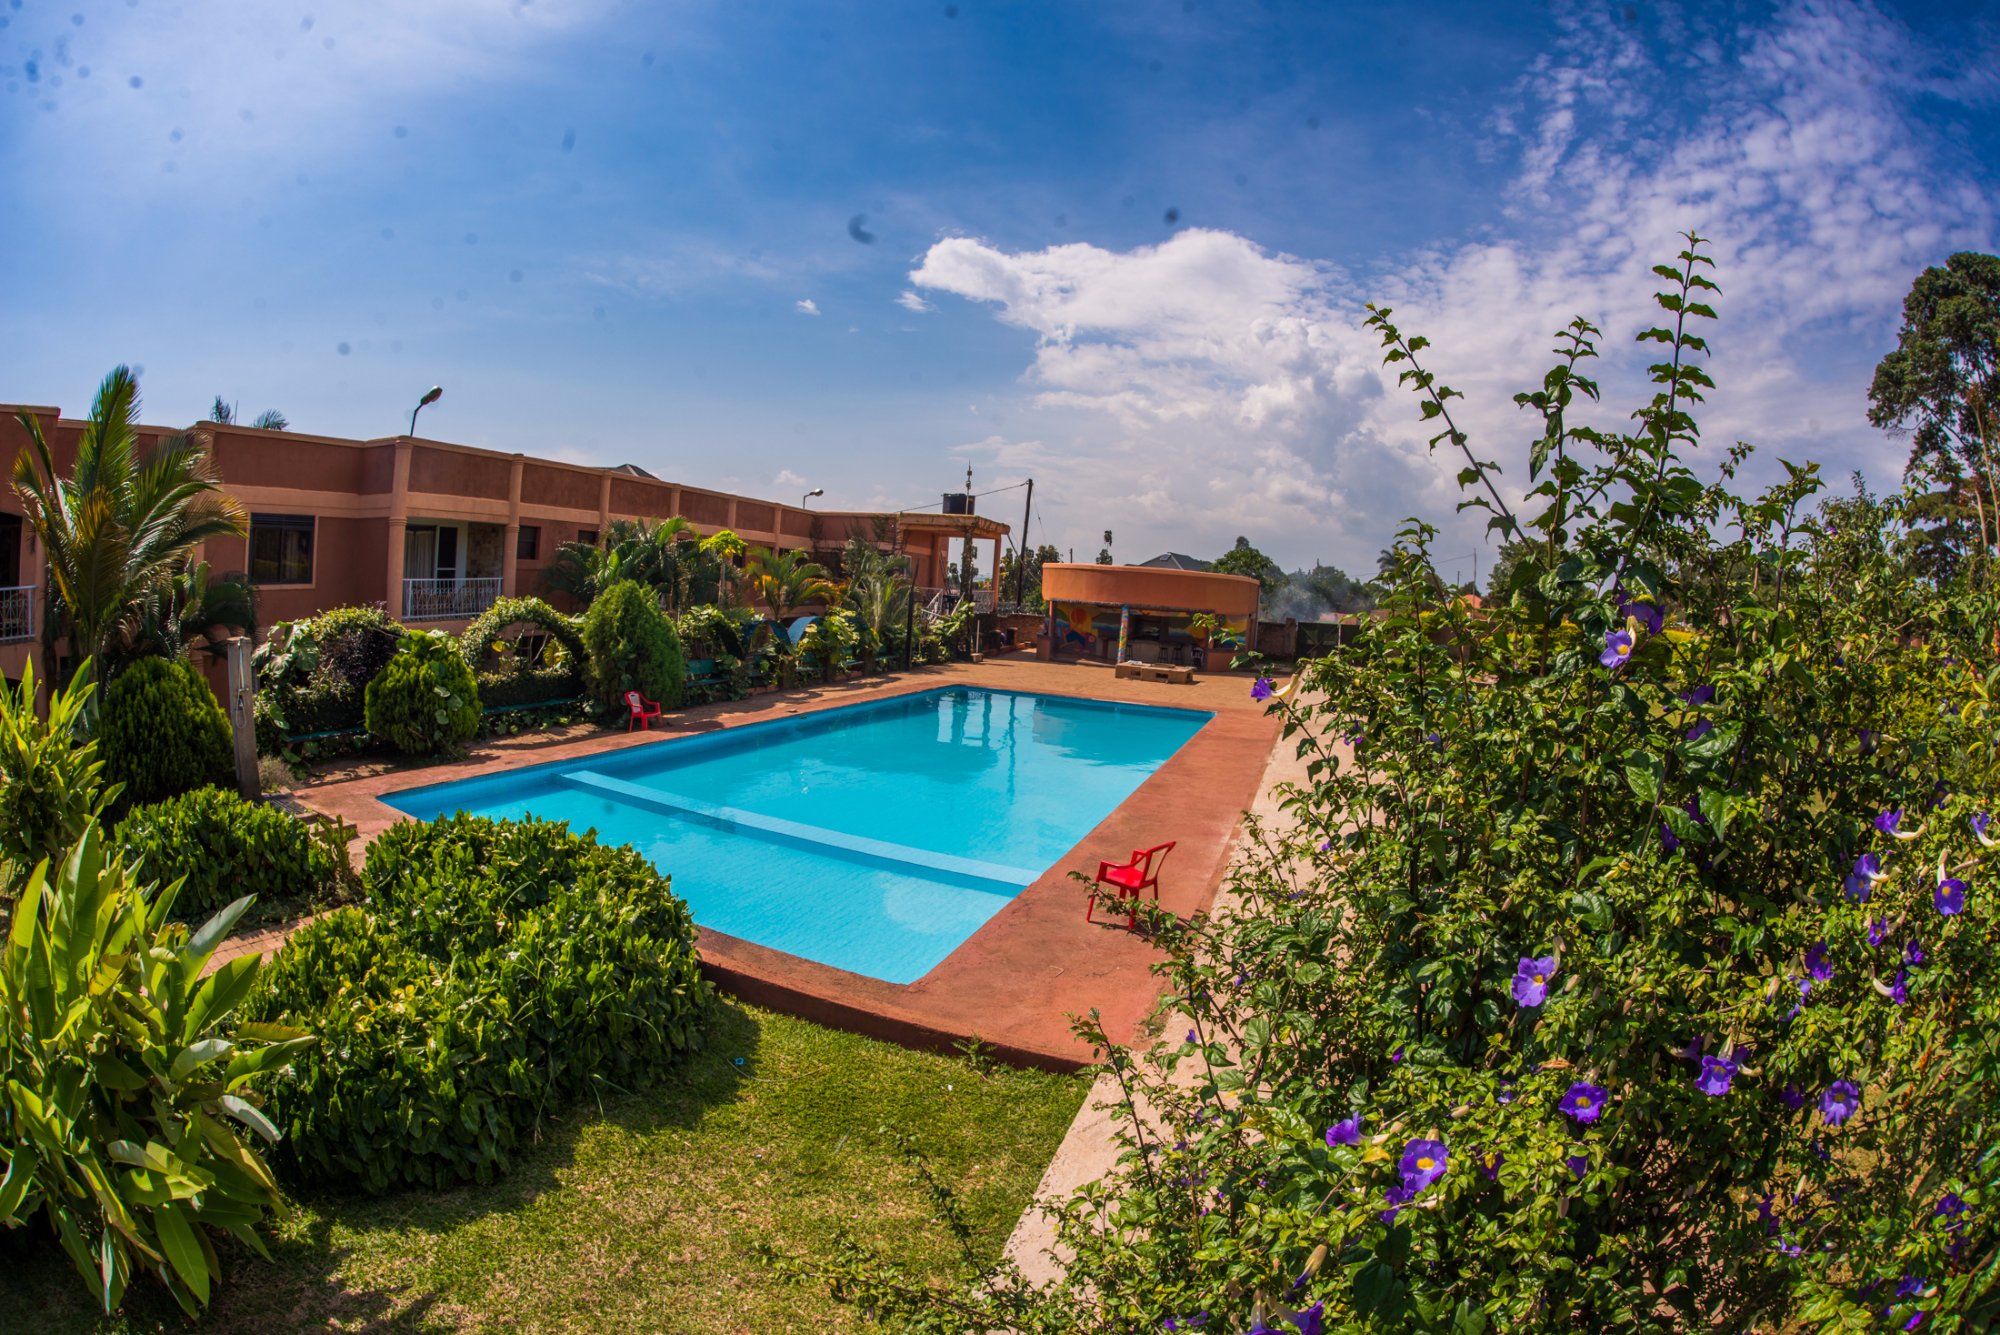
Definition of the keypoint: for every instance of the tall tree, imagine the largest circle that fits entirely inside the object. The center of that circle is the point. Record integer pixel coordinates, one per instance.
(1942, 385)
(116, 531)
(1243, 559)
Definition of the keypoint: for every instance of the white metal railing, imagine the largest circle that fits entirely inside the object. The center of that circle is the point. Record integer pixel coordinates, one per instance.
(937, 602)
(448, 599)
(17, 613)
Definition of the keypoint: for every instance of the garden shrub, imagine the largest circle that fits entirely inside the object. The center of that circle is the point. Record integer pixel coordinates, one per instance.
(496, 973)
(162, 732)
(129, 1079)
(425, 701)
(486, 648)
(51, 781)
(829, 644)
(1636, 972)
(632, 647)
(313, 674)
(223, 847)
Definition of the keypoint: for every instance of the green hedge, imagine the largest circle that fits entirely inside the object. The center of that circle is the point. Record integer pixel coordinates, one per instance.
(425, 701)
(226, 847)
(497, 972)
(633, 646)
(534, 686)
(161, 732)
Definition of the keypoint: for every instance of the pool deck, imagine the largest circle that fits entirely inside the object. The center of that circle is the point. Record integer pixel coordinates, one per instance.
(1015, 983)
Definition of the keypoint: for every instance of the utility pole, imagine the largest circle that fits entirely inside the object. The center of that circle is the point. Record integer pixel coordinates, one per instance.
(1021, 547)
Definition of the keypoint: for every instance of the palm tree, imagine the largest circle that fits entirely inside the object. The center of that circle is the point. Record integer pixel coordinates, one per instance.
(122, 525)
(786, 580)
(724, 549)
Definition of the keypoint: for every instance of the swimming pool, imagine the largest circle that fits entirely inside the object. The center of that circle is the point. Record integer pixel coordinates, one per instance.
(874, 838)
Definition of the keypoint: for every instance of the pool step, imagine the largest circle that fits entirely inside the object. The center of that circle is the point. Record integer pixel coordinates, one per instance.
(995, 877)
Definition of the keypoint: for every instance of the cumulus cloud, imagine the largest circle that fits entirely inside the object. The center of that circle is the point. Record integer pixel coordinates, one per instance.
(787, 478)
(807, 306)
(1211, 385)
(910, 301)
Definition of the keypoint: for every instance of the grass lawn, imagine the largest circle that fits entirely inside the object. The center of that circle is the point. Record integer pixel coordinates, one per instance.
(643, 1216)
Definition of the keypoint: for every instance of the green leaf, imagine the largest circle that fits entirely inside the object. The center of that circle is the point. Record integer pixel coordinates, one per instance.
(1643, 773)
(184, 1253)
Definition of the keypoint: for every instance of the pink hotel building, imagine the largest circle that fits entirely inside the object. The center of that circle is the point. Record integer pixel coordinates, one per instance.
(433, 531)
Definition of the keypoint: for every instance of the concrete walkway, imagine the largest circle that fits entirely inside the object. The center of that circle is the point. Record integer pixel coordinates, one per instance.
(1089, 1152)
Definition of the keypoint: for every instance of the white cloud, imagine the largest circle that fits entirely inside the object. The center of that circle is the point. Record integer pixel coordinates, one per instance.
(807, 306)
(1211, 386)
(787, 478)
(910, 301)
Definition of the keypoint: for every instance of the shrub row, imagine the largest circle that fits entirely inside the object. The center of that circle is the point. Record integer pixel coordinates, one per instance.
(496, 972)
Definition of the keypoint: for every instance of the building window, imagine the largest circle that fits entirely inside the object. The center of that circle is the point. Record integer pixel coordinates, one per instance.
(281, 549)
(528, 543)
(587, 536)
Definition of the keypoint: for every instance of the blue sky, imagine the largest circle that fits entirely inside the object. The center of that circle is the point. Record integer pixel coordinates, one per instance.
(1120, 248)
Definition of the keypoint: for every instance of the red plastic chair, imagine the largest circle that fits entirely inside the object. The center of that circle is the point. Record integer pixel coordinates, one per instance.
(1130, 879)
(644, 711)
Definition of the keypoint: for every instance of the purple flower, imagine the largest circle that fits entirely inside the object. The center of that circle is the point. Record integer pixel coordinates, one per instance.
(1617, 648)
(1423, 1163)
(1817, 963)
(1899, 992)
(1347, 1131)
(1889, 820)
(1913, 954)
(1716, 1073)
(1506, 1092)
(1396, 1198)
(1261, 689)
(1794, 1097)
(1860, 882)
(1437, 742)
(1698, 695)
(1950, 1205)
(1668, 839)
(1841, 1100)
(1978, 821)
(1647, 615)
(1396, 1056)
(1950, 897)
(1312, 1321)
(1578, 1164)
(1910, 1286)
(1490, 1164)
(1877, 929)
(1765, 1216)
(1584, 1102)
(1326, 846)
(1702, 728)
(1916, 1320)
(1867, 737)
(1195, 1322)
(1531, 979)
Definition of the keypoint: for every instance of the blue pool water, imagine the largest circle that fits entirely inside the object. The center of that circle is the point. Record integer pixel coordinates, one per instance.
(875, 838)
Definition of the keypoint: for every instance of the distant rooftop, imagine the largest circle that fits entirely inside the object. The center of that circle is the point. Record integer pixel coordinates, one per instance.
(1179, 561)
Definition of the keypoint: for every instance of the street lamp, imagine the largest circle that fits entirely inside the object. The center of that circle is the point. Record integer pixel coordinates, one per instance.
(816, 491)
(430, 397)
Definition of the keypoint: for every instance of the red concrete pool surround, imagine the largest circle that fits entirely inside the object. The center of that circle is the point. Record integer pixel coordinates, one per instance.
(1015, 983)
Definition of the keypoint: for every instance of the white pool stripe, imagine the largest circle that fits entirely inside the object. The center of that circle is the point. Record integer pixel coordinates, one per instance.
(921, 860)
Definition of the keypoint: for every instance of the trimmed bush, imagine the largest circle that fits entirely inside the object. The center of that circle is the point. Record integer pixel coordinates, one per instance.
(497, 972)
(129, 1081)
(313, 674)
(425, 700)
(225, 847)
(632, 647)
(484, 646)
(161, 732)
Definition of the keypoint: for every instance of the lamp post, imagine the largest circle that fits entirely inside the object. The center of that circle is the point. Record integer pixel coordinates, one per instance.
(816, 491)
(430, 396)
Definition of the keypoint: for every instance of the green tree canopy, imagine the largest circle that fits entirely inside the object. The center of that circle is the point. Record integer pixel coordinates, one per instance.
(1243, 559)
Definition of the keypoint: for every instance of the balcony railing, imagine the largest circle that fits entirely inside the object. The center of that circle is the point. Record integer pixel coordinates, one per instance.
(448, 599)
(17, 613)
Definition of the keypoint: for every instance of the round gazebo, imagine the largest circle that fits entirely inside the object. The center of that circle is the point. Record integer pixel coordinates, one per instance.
(1144, 613)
